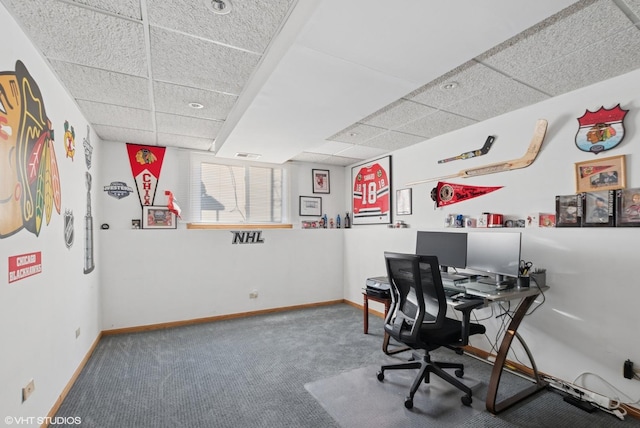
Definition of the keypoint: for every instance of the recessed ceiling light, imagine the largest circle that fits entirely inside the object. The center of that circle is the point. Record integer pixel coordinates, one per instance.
(450, 85)
(196, 105)
(220, 7)
(353, 134)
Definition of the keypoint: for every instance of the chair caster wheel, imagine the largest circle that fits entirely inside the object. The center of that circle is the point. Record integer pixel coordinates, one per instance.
(380, 375)
(466, 400)
(408, 403)
(459, 373)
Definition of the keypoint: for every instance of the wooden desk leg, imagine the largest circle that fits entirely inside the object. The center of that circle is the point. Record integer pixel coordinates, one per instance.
(539, 383)
(366, 313)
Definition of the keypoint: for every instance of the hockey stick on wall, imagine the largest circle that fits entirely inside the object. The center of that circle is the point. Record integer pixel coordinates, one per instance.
(523, 162)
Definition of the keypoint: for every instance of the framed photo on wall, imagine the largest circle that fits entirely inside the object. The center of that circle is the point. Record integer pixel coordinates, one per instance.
(311, 206)
(320, 181)
(601, 174)
(371, 192)
(157, 217)
(403, 202)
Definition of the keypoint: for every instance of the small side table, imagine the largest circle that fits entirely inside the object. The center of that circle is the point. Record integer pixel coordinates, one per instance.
(386, 301)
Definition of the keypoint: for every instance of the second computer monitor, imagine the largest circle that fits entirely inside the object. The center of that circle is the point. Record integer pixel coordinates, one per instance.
(496, 253)
(449, 247)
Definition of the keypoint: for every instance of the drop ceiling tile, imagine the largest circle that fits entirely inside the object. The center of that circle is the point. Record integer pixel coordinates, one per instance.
(436, 124)
(569, 31)
(128, 8)
(391, 140)
(362, 152)
(184, 60)
(93, 84)
(330, 147)
(509, 96)
(187, 142)
(109, 114)
(397, 113)
(634, 6)
(310, 157)
(83, 36)
(589, 65)
(250, 25)
(471, 78)
(175, 99)
(183, 125)
(341, 160)
(118, 134)
(357, 134)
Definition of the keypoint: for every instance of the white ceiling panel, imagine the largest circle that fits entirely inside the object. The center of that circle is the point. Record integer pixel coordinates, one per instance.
(83, 36)
(128, 8)
(183, 141)
(124, 135)
(362, 152)
(94, 84)
(171, 98)
(189, 61)
(249, 26)
(126, 117)
(183, 125)
(330, 147)
(435, 124)
(392, 140)
(398, 113)
(357, 134)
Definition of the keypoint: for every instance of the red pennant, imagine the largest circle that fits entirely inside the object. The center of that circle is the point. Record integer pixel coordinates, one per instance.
(451, 193)
(173, 205)
(146, 163)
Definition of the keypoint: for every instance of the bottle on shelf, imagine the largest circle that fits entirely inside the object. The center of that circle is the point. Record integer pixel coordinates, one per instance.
(324, 217)
(347, 221)
(338, 221)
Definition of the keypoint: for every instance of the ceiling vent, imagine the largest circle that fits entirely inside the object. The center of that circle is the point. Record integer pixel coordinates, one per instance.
(243, 155)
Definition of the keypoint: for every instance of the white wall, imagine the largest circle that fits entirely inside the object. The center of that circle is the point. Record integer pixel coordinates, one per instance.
(157, 276)
(589, 320)
(39, 315)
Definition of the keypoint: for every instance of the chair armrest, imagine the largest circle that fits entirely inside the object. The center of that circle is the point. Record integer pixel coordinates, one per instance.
(466, 309)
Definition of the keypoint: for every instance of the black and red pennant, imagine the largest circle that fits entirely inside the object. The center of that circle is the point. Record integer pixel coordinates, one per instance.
(451, 193)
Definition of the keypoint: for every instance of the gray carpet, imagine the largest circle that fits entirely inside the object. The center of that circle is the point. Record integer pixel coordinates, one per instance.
(303, 368)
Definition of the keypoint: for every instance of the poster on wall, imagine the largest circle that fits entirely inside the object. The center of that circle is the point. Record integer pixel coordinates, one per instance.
(146, 163)
(371, 186)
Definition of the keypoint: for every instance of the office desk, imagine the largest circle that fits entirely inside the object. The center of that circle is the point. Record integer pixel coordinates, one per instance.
(526, 296)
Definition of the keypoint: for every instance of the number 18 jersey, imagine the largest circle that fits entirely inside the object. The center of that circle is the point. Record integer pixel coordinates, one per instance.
(371, 192)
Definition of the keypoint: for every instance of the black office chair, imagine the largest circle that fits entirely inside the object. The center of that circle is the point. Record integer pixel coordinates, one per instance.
(417, 318)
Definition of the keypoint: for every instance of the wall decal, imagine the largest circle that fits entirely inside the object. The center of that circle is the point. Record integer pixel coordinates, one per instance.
(600, 130)
(88, 148)
(24, 266)
(69, 234)
(30, 181)
(451, 193)
(118, 189)
(146, 163)
(69, 140)
(88, 230)
(246, 237)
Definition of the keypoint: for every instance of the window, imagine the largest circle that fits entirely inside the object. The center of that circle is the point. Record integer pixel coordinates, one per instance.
(236, 193)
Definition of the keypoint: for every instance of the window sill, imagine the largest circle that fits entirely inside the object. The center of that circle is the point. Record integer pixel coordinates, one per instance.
(238, 226)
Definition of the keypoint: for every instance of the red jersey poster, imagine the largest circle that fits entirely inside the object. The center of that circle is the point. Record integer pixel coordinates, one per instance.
(371, 185)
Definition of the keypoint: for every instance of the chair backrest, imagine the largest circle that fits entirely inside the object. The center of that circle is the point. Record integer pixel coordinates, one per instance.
(417, 294)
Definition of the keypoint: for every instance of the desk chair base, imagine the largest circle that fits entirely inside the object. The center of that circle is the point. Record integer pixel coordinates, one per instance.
(426, 367)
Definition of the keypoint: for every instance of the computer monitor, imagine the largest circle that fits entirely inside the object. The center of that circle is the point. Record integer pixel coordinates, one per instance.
(496, 253)
(449, 247)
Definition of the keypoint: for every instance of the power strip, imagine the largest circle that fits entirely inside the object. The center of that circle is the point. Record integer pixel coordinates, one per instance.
(582, 393)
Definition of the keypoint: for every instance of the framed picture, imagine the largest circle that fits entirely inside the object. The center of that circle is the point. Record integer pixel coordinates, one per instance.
(600, 174)
(598, 208)
(320, 181)
(403, 202)
(371, 197)
(311, 206)
(569, 210)
(628, 207)
(157, 217)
